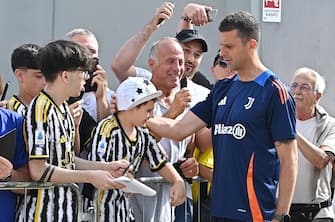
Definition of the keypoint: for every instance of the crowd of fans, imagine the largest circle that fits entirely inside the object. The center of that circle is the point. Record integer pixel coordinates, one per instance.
(266, 149)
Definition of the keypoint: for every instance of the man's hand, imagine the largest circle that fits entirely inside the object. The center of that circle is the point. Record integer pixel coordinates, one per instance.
(116, 168)
(163, 13)
(100, 79)
(5, 167)
(181, 100)
(190, 167)
(113, 106)
(197, 13)
(177, 193)
(104, 180)
(76, 112)
(3, 103)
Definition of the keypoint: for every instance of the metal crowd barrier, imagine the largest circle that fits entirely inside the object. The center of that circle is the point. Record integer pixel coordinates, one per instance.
(90, 214)
(82, 216)
(147, 180)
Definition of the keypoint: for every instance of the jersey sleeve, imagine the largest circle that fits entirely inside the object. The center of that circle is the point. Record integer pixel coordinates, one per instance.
(21, 155)
(154, 154)
(37, 131)
(282, 119)
(329, 138)
(206, 158)
(100, 141)
(203, 109)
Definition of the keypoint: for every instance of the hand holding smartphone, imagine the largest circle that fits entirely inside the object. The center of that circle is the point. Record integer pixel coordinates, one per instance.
(211, 14)
(3, 96)
(330, 154)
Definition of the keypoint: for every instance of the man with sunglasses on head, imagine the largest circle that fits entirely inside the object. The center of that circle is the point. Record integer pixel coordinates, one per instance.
(220, 68)
(315, 138)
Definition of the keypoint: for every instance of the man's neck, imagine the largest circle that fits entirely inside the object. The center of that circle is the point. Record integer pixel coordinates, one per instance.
(251, 70)
(305, 114)
(25, 98)
(56, 93)
(168, 94)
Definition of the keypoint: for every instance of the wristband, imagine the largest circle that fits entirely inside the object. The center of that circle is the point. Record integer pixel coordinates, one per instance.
(186, 19)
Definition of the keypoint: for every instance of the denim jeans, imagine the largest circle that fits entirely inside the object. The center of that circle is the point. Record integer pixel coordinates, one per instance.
(180, 211)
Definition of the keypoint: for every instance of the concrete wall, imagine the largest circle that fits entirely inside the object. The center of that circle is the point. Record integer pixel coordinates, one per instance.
(303, 38)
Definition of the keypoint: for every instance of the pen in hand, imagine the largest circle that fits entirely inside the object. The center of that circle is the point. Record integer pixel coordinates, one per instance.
(131, 164)
(126, 169)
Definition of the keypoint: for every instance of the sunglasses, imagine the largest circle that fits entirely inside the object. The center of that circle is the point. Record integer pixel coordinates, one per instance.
(221, 63)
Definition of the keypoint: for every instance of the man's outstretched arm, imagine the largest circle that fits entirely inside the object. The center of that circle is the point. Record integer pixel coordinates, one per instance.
(174, 129)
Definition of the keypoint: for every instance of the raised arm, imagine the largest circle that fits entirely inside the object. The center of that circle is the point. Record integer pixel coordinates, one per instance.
(193, 14)
(123, 62)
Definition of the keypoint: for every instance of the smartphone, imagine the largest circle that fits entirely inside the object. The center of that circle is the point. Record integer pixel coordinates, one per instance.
(91, 69)
(161, 20)
(211, 14)
(3, 96)
(183, 82)
(75, 99)
(330, 154)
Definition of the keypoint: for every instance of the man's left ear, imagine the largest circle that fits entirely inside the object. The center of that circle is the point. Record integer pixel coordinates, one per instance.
(65, 75)
(253, 43)
(318, 96)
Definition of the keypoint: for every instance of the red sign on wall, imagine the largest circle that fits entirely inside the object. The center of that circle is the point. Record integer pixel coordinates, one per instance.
(272, 3)
(271, 10)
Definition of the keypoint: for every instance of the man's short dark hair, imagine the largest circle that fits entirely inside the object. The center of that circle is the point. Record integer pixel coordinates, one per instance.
(62, 55)
(25, 57)
(244, 22)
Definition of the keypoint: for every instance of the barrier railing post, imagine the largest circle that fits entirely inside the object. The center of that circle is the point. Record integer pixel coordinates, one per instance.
(82, 216)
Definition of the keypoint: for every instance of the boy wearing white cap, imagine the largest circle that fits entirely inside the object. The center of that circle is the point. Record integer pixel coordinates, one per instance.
(124, 136)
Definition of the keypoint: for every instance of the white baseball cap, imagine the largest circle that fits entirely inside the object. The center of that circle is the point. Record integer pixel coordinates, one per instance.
(135, 91)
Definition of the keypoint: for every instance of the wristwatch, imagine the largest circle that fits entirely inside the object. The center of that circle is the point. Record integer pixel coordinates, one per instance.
(282, 217)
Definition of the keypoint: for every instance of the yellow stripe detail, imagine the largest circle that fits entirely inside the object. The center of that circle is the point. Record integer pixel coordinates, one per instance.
(38, 204)
(37, 114)
(45, 110)
(39, 156)
(101, 193)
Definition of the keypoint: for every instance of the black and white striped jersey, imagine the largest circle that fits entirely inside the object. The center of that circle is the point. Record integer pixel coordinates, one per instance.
(49, 135)
(111, 143)
(15, 104)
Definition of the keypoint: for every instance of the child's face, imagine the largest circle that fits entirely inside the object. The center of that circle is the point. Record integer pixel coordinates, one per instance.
(77, 80)
(144, 112)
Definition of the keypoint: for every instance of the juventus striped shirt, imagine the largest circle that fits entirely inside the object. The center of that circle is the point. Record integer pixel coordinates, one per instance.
(15, 104)
(111, 143)
(50, 135)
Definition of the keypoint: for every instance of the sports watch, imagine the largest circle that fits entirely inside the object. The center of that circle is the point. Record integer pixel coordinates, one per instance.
(282, 217)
